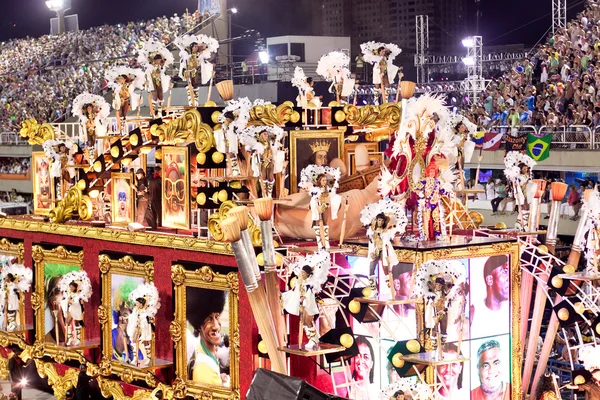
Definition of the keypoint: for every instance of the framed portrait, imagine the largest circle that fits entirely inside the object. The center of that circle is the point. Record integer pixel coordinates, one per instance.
(121, 277)
(50, 325)
(313, 147)
(122, 198)
(205, 331)
(43, 186)
(175, 187)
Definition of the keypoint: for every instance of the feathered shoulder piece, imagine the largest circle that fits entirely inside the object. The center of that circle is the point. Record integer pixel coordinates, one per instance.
(150, 49)
(241, 110)
(23, 275)
(299, 80)
(370, 51)
(84, 285)
(134, 75)
(309, 175)
(249, 137)
(451, 271)
(512, 160)
(408, 386)
(332, 65)
(51, 148)
(319, 263)
(590, 357)
(149, 293)
(184, 42)
(101, 107)
(393, 211)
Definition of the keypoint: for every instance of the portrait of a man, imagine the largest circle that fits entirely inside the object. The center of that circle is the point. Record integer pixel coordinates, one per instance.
(451, 375)
(312, 148)
(490, 372)
(491, 306)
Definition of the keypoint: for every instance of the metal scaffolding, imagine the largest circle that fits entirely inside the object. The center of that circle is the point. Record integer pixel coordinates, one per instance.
(475, 83)
(559, 15)
(422, 32)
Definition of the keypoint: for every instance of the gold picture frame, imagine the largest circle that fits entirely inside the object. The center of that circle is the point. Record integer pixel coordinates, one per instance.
(175, 198)
(43, 347)
(300, 150)
(41, 182)
(116, 202)
(122, 267)
(205, 279)
(16, 250)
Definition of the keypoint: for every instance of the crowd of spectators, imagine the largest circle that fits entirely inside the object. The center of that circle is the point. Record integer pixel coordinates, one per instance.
(14, 165)
(40, 77)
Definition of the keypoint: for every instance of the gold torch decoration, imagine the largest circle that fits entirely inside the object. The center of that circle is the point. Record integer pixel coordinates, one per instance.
(557, 191)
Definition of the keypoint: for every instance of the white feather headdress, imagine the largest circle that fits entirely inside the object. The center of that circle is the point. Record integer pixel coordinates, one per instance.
(23, 274)
(113, 73)
(309, 175)
(241, 109)
(320, 264)
(369, 51)
(150, 49)
(249, 137)
(512, 161)
(333, 65)
(84, 285)
(445, 268)
(299, 80)
(98, 102)
(590, 357)
(391, 209)
(184, 42)
(148, 292)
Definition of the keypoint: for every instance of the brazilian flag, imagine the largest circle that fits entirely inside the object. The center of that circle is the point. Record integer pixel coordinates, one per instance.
(538, 148)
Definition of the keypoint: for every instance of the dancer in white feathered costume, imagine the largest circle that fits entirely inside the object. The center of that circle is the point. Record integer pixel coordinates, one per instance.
(61, 155)
(306, 93)
(16, 280)
(195, 52)
(233, 119)
(385, 219)
(126, 84)
(141, 322)
(76, 289)
(381, 56)
(321, 183)
(155, 58)
(264, 143)
(334, 67)
(311, 273)
(519, 173)
(92, 111)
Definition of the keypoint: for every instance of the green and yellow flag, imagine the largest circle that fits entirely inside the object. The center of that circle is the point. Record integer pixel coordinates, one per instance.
(538, 148)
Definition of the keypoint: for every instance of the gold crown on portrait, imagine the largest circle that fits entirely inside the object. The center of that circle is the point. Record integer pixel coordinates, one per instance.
(320, 146)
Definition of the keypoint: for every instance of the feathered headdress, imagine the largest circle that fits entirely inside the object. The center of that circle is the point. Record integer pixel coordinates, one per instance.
(452, 271)
(100, 105)
(590, 357)
(183, 43)
(23, 275)
(241, 110)
(249, 137)
(393, 210)
(370, 51)
(320, 264)
(310, 173)
(148, 292)
(299, 80)
(334, 64)
(113, 73)
(84, 285)
(512, 160)
(150, 49)
(51, 150)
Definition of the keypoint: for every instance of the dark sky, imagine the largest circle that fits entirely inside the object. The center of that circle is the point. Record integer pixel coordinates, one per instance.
(272, 17)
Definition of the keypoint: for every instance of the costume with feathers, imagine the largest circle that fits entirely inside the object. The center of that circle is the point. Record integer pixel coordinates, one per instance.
(93, 122)
(520, 182)
(383, 65)
(72, 303)
(306, 94)
(191, 62)
(59, 160)
(334, 67)
(126, 93)
(267, 157)
(140, 323)
(12, 294)
(155, 58)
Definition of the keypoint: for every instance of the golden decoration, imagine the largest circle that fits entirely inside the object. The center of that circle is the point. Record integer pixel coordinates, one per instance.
(397, 361)
(339, 116)
(477, 218)
(579, 380)
(187, 128)
(441, 253)
(271, 115)
(112, 389)
(12, 249)
(569, 269)
(346, 340)
(413, 346)
(382, 120)
(557, 282)
(178, 274)
(215, 219)
(214, 117)
(102, 315)
(366, 292)
(4, 373)
(60, 383)
(563, 314)
(295, 117)
(579, 308)
(201, 158)
(210, 103)
(218, 157)
(500, 225)
(354, 306)
(262, 347)
(73, 202)
(333, 103)
(542, 248)
(204, 278)
(201, 198)
(36, 133)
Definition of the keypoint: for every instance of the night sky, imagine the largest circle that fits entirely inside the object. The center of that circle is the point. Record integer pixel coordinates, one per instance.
(274, 17)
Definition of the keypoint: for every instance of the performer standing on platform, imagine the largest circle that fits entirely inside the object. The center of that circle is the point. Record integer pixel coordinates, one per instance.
(142, 191)
(126, 84)
(382, 56)
(518, 172)
(264, 142)
(155, 58)
(311, 273)
(77, 289)
(306, 93)
(16, 280)
(92, 111)
(333, 67)
(233, 119)
(140, 323)
(195, 52)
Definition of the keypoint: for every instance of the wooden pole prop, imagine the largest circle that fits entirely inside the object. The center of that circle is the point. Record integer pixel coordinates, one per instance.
(343, 231)
(210, 87)
(264, 210)
(526, 291)
(232, 233)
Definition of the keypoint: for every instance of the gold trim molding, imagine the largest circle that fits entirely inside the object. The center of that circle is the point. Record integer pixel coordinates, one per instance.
(271, 115)
(74, 201)
(35, 132)
(187, 128)
(59, 383)
(215, 219)
(9, 248)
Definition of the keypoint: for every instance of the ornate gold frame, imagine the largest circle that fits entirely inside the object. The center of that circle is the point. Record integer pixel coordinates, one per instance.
(205, 278)
(114, 200)
(129, 267)
(176, 151)
(35, 155)
(40, 257)
(320, 134)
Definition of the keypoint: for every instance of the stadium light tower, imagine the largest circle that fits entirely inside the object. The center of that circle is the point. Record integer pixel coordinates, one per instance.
(474, 84)
(59, 7)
